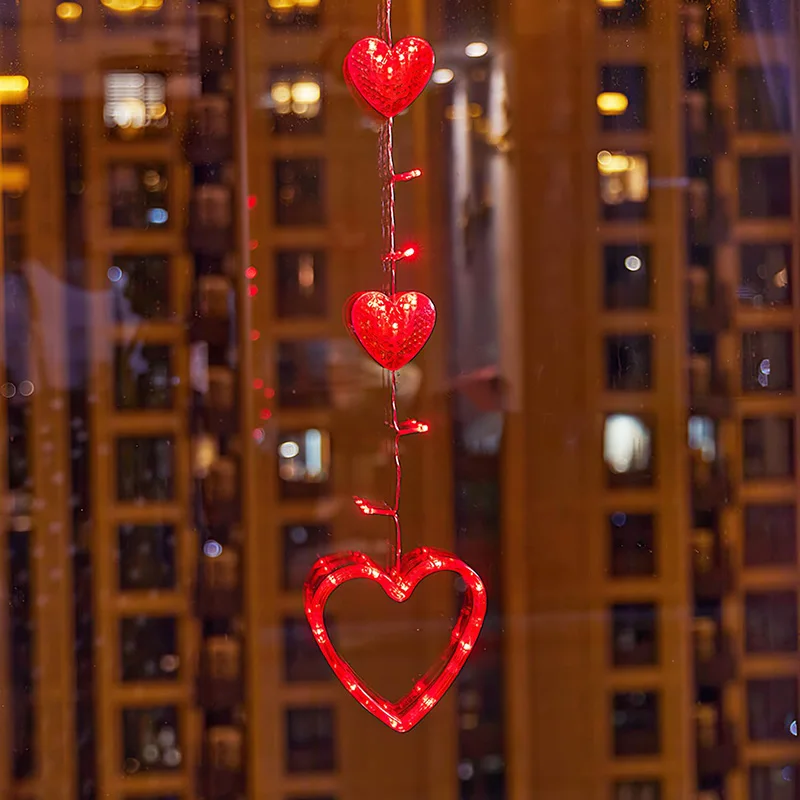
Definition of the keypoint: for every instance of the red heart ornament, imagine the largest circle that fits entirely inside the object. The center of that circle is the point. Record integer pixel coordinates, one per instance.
(392, 329)
(399, 583)
(388, 79)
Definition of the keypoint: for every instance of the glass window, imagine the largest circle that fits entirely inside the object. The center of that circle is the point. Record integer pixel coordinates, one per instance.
(771, 622)
(143, 376)
(637, 790)
(310, 745)
(295, 101)
(768, 447)
(149, 648)
(302, 546)
(628, 363)
(145, 468)
(140, 287)
(146, 557)
(765, 274)
(773, 782)
(134, 102)
(632, 540)
(296, 14)
(624, 185)
(622, 99)
(755, 15)
(762, 99)
(304, 461)
(770, 535)
(138, 195)
(636, 723)
(302, 659)
(767, 362)
(303, 373)
(772, 709)
(301, 284)
(628, 450)
(627, 276)
(299, 192)
(615, 14)
(765, 186)
(150, 740)
(634, 634)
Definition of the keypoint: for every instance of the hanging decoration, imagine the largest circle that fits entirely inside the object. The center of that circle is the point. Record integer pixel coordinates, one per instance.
(392, 327)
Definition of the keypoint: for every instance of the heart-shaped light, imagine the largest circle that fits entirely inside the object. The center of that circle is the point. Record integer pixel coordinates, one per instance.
(392, 329)
(330, 572)
(388, 79)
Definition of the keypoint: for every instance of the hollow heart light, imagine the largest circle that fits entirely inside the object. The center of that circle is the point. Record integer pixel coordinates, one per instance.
(392, 327)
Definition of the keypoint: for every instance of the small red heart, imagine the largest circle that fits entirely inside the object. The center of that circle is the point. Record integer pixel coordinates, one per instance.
(392, 329)
(399, 583)
(388, 79)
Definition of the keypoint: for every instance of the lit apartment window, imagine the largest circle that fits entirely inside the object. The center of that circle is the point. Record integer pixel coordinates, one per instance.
(637, 790)
(767, 361)
(622, 98)
(146, 557)
(299, 194)
(636, 724)
(295, 13)
(150, 740)
(624, 185)
(301, 284)
(628, 450)
(310, 745)
(622, 13)
(145, 468)
(119, 16)
(634, 634)
(295, 101)
(134, 102)
(304, 462)
(768, 445)
(632, 541)
(149, 648)
(762, 99)
(627, 276)
(756, 15)
(771, 622)
(303, 660)
(303, 373)
(302, 546)
(770, 535)
(773, 782)
(765, 274)
(143, 376)
(628, 363)
(772, 709)
(138, 195)
(765, 187)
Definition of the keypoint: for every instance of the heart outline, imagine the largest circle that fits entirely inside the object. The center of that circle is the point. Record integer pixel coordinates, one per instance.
(392, 333)
(398, 583)
(409, 63)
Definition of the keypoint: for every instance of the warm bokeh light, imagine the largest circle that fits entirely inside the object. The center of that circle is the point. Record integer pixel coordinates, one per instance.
(611, 3)
(13, 89)
(14, 177)
(122, 6)
(612, 104)
(476, 49)
(69, 12)
(443, 76)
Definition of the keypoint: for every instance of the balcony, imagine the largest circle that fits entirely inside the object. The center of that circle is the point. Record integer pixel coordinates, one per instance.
(219, 410)
(208, 139)
(707, 132)
(219, 591)
(222, 773)
(717, 754)
(710, 225)
(711, 485)
(211, 321)
(221, 493)
(210, 228)
(711, 314)
(219, 684)
(715, 663)
(709, 390)
(713, 574)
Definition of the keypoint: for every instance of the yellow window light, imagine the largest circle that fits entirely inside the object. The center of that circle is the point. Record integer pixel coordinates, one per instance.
(612, 104)
(281, 93)
(611, 3)
(152, 5)
(13, 89)
(123, 6)
(14, 178)
(307, 3)
(613, 163)
(307, 92)
(281, 5)
(69, 12)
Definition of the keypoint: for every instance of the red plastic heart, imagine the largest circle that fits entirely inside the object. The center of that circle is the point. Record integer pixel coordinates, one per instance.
(399, 583)
(392, 329)
(388, 79)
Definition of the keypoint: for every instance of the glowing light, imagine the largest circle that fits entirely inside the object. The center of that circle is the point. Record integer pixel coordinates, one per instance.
(212, 548)
(306, 92)
(252, 291)
(258, 383)
(402, 177)
(253, 244)
(265, 413)
(13, 89)
(157, 216)
(289, 450)
(611, 3)
(123, 6)
(252, 201)
(476, 49)
(250, 273)
(255, 336)
(626, 444)
(633, 263)
(443, 76)
(26, 388)
(114, 274)
(69, 12)
(409, 252)
(611, 104)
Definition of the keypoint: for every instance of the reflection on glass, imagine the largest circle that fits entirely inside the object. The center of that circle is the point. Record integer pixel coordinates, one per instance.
(150, 740)
(149, 648)
(145, 468)
(138, 195)
(146, 557)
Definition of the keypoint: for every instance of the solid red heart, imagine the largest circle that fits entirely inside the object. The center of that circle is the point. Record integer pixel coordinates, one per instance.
(399, 583)
(389, 79)
(392, 329)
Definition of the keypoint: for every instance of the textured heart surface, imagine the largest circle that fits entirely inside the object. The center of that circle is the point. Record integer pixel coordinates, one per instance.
(330, 572)
(389, 79)
(392, 329)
